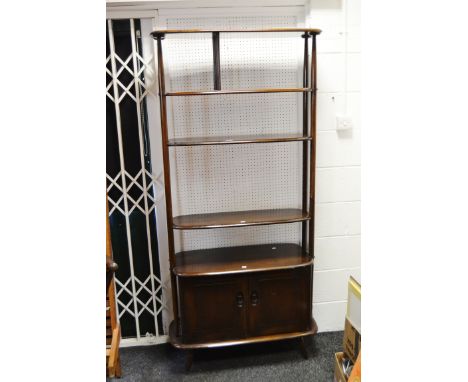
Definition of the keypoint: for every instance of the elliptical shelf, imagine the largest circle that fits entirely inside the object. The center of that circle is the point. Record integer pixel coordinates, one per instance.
(239, 218)
(237, 139)
(177, 342)
(241, 259)
(159, 32)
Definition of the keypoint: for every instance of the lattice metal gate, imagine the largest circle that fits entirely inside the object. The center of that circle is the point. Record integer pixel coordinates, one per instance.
(134, 182)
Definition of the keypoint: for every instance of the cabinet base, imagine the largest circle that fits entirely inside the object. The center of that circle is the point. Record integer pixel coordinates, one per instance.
(177, 341)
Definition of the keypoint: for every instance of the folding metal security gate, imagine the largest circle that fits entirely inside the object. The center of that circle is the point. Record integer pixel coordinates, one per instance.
(134, 181)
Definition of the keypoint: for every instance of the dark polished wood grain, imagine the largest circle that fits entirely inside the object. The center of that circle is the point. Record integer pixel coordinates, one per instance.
(313, 153)
(305, 131)
(234, 307)
(239, 218)
(177, 342)
(279, 302)
(243, 259)
(172, 31)
(213, 308)
(237, 139)
(216, 62)
(238, 91)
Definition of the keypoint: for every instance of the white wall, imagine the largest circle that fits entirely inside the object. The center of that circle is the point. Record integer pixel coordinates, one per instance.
(338, 225)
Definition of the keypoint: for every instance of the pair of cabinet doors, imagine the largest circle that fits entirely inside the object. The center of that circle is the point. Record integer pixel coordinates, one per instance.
(239, 306)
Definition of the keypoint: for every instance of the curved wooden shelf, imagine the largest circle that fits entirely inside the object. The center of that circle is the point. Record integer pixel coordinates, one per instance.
(239, 218)
(238, 91)
(271, 30)
(241, 259)
(239, 139)
(177, 341)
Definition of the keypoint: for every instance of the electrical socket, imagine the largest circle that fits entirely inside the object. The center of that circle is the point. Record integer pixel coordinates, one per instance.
(343, 122)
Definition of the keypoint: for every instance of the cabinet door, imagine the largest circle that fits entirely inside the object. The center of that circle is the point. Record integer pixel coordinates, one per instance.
(279, 302)
(213, 308)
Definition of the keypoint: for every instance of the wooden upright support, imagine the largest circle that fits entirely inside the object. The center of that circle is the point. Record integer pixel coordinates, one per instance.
(216, 62)
(113, 368)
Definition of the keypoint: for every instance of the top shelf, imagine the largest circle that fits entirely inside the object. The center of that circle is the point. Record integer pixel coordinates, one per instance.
(174, 31)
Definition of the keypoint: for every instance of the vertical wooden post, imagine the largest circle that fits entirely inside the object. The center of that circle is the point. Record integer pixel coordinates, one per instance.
(216, 62)
(113, 365)
(313, 145)
(188, 359)
(303, 348)
(167, 179)
(110, 288)
(313, 133)
(305, 132)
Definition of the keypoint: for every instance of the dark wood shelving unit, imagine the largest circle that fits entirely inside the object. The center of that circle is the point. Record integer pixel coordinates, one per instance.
(243, 294)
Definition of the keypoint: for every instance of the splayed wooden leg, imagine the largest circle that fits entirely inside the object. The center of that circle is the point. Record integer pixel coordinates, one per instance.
(189, 360)
(302, 348)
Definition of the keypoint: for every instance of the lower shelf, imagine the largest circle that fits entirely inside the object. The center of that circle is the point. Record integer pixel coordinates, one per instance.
(176, 341)
(241, 259)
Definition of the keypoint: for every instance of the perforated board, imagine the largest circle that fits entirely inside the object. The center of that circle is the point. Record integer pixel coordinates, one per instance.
(235, 177)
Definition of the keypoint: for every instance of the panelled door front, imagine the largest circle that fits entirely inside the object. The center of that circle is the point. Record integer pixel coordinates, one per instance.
(213, 308)
(279, 302)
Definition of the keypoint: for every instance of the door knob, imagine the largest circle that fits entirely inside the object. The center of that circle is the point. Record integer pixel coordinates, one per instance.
(240, 300)
(254, 298)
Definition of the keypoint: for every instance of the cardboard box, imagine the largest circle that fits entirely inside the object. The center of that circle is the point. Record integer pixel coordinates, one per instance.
(351, 341)
(353, 311)
(356, 372)
(339, 374)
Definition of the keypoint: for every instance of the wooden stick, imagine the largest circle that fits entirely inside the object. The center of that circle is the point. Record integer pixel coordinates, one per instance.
(167, 178)
(313, 133)
(216, 62)
(305, 132)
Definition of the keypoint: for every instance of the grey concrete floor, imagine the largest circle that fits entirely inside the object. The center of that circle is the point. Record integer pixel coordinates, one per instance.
(274, 361)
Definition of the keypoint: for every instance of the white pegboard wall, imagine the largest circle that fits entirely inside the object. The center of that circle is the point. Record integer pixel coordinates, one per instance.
(259, 60)
(231, 22)
(253, 60)
(239, 114)
(229, 237)
(235, 177)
